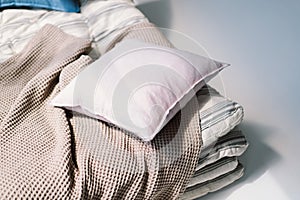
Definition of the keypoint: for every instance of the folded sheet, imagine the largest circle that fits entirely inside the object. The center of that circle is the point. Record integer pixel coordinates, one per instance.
(220, 162)
(213, 170)
(213, 185)
(232, 144)
(218, 114)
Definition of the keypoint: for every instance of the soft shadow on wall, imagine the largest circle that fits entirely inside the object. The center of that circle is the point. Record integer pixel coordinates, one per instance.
(158, 12)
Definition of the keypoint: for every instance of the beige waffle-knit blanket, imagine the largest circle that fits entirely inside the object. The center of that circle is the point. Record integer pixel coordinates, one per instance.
(52, 153)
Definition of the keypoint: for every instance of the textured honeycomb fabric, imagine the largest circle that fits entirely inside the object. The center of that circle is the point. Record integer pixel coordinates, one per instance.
(35, 139)
(145, 31)
(51, 153)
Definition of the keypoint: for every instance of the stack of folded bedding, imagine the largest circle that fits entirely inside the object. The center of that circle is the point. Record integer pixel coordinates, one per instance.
(223, 143)
(106, 23)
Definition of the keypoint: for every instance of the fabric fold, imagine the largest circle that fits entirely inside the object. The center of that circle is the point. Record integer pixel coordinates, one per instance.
(47, 152)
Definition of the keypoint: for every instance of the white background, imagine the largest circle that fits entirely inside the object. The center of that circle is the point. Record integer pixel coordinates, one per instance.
(261, 41)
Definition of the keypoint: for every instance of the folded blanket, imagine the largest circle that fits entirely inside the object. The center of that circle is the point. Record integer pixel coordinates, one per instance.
(231, 144)
(47, 152)
(218, 169)
(218, 114)
(213, 170)
(35, 139)
(213, 185)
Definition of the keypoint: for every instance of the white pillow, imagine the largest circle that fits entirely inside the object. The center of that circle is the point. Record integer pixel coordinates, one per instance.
(137, 84)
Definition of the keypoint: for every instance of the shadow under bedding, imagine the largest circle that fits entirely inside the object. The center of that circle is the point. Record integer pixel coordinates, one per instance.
(97, 160)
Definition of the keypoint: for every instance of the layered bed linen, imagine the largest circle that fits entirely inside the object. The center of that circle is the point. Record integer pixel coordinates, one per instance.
(50, 153)
(95, 165)
(232, 144)
(99, 21)
(201, 189)
(220, 168)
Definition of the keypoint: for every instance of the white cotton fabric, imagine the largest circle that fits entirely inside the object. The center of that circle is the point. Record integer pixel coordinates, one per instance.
(99, 21)
(138, 86)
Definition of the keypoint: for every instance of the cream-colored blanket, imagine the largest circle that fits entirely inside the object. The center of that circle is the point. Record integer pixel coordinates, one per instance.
(51, 153)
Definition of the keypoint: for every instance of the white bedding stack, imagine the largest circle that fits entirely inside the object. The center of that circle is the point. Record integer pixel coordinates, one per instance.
(106, 23)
